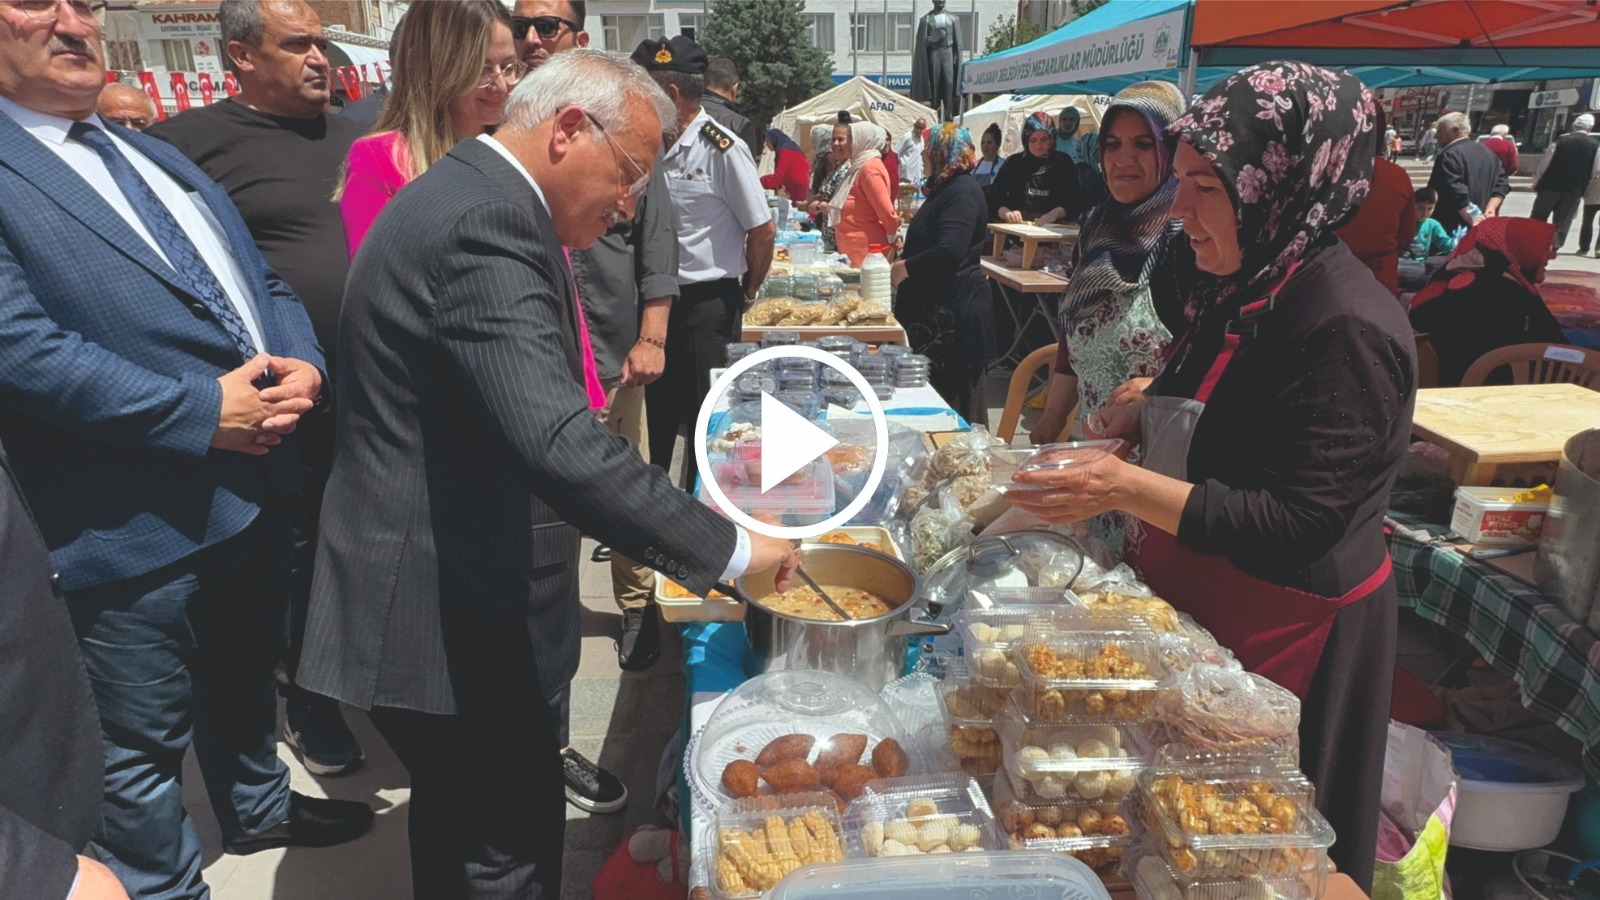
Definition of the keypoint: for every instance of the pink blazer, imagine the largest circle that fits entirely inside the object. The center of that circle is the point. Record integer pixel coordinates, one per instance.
(372, 177)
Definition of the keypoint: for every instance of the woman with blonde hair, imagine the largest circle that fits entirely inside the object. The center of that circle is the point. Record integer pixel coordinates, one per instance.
(454, 64)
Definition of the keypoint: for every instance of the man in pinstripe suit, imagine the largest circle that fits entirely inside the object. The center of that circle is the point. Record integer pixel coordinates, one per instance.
(468, 463)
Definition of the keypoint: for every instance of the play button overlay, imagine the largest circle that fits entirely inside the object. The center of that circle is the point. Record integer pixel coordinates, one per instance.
(788, 444)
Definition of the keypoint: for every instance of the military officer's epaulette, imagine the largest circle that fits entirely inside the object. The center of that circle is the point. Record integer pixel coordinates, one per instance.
(716, 136)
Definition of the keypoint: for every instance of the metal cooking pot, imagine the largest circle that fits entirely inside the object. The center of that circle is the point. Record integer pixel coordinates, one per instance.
(872, 652)
(1568, 565)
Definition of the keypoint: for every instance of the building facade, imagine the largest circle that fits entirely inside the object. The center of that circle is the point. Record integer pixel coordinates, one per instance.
(870, 38)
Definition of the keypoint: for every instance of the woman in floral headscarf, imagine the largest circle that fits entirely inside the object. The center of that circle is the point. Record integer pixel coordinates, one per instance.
(1272, 436)
(941, 296)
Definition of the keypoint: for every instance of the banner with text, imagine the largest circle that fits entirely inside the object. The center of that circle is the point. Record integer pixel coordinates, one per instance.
(1143, 46)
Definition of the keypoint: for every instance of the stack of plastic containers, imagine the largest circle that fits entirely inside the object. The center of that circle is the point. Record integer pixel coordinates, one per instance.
(917, 816)
(969, 710)
(780, 339)
(1230, 826)
(740, 349)
(876, 369)
(1091, 667)
(911, 370)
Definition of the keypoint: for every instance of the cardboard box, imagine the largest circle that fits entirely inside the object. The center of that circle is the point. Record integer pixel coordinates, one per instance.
(1486, 516)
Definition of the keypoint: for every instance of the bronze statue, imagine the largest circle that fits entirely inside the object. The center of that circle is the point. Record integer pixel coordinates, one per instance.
(936, 62)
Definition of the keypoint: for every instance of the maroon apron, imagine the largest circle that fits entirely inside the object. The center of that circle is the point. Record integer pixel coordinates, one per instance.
(1275, 631)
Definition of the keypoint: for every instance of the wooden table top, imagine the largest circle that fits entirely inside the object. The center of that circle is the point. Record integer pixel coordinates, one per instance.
(1511, 423)
(1043, 233)
(1026, 281)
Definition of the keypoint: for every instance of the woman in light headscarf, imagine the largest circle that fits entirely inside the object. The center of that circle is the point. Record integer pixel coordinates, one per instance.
(862, 212)
(941, 296)
(1273, 434)
(821, 155)
(840, 168)
(1037, 184)
(1124, 300)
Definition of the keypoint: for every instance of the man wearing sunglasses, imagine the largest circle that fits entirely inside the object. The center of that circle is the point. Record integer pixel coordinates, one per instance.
(725, 233)
(545, 27)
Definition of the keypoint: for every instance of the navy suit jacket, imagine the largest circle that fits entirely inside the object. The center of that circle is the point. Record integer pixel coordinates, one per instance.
(108, 371)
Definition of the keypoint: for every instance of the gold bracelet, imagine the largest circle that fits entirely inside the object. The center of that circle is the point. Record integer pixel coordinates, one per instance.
(662, 345)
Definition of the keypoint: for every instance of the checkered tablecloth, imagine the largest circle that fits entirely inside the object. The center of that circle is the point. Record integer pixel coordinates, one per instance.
(1518, 630)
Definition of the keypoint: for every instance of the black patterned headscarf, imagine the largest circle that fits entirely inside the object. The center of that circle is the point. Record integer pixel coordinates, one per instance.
(1293, 144)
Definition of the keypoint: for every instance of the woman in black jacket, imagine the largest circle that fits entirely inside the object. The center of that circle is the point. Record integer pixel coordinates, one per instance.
(1039, 184)
(941, 296)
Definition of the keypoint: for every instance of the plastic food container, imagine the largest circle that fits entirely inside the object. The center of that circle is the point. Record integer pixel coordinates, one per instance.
(921, 815)
(969, 710)
(822, 705)
(740, 349)
(1109, 599)
(749, 387)
(780, 339)
(1185, 806)
(760, 840)
(843, 397)
(806, 403)
(989, 633)
(836, 343)
(1094, 833)
(1097, 762)
(797, 380)
(971, 576)
(1093, 668)
(949, 876)
(677, 604)
(868, 537)
(1060, 457)
(804, 499)
(1511, 796)
(1155, 878)
(1488, 516)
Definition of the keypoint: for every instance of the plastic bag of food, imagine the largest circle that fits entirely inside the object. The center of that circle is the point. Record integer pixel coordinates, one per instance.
(769, 312)
(839, 310)
(1217, 709)
(935, 531)
(966, 454)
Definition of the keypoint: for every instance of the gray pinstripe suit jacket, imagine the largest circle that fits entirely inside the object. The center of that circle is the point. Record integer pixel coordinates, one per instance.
(468, 462)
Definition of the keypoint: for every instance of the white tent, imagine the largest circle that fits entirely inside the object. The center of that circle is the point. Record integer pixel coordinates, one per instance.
(864, 100)
(1009, 110)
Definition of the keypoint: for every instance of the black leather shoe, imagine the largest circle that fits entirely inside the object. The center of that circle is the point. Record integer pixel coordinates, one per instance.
(640, 644)
(312, 822)
(601, 554)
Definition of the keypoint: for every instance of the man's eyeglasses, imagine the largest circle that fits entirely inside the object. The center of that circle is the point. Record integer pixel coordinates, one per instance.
(40, 10)
(637, 188)
(511, 72)
(545, 26)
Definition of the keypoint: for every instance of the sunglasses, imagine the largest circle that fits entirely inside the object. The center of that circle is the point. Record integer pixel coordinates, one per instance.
(544, 26)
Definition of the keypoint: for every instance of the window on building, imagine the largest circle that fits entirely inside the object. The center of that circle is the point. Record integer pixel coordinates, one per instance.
(819, 30)
(178, 54)
(876, 32)
(689, 25)
(123, 56)
(623, 33)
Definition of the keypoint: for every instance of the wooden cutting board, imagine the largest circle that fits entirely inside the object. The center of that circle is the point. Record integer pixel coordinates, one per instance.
(1485, 427)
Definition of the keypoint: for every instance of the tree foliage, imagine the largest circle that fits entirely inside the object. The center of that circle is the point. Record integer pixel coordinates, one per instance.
(1008, 32)
(1084, 7)
(778, 65)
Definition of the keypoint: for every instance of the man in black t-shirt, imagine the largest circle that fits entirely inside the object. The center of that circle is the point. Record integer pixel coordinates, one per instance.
(278, 154)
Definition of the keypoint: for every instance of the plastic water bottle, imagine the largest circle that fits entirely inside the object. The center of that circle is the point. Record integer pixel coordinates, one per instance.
(875, 278)
(1473, 211)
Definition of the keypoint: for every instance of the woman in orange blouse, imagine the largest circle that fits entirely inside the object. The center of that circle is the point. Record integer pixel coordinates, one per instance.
(862, 210)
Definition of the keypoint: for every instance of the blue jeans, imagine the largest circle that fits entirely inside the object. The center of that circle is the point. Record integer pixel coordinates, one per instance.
(188, 652)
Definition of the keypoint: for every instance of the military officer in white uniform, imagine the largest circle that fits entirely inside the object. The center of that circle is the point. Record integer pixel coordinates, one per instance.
(725, 233)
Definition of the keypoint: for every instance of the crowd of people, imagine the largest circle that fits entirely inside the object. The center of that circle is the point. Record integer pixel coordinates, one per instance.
(319, 403)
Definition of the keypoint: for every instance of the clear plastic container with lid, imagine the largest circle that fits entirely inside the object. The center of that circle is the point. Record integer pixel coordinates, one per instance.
(806, 403)
(1096, 833)
(948, 876)
(740, 349)
(1059, 457)
(798, 380)
(876, 287)
(1092, 667)
(969, 710)
(780, 339)
(778, 704)
(1227, 818)
(1155, 878)
(971, 576)
(760, 840)
(989, 633)
(919, 815)
(806, 498)
(1094, 761)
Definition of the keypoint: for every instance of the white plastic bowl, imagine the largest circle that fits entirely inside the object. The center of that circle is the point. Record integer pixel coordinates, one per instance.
(1511, 796)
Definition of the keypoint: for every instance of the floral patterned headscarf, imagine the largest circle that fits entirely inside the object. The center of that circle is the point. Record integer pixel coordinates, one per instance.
(1294, 145)
(1039, 121)
(950, 154)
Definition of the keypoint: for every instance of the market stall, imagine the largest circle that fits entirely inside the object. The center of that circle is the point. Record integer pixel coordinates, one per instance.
(1009, 110)
(865, 101)
(996, 693)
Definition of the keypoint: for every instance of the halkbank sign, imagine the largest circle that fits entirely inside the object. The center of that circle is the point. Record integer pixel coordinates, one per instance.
(1140, 46)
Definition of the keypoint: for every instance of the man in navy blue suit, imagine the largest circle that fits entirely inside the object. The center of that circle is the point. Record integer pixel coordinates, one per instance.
(153, 368)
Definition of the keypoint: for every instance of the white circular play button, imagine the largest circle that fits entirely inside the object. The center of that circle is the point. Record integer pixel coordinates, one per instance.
(789, 443)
